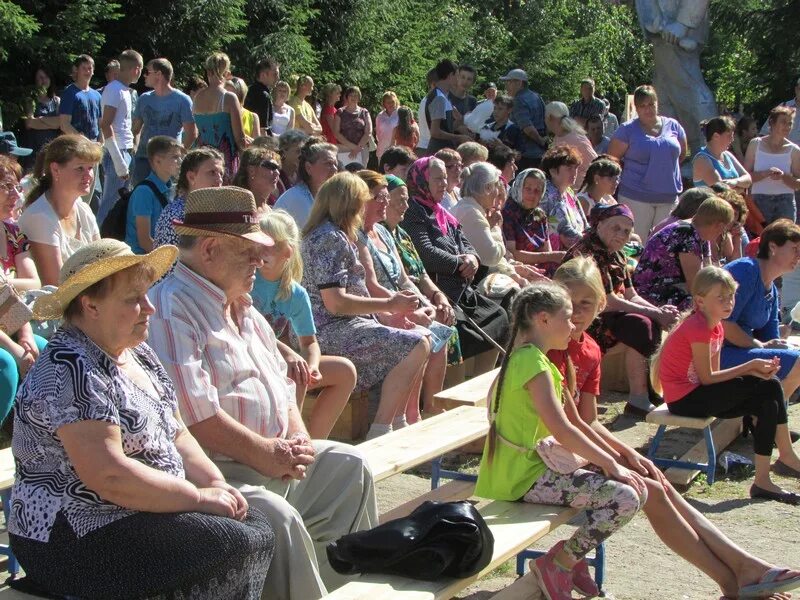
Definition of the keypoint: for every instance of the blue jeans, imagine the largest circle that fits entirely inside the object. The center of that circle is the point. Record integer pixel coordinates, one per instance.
(9, 378)
(774, 207)
(111, 185)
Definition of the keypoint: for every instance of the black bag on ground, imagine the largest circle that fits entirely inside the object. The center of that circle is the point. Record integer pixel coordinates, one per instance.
(116, 222)
(438, 539)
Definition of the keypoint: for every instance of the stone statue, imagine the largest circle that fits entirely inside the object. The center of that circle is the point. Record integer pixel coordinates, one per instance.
(678, 30)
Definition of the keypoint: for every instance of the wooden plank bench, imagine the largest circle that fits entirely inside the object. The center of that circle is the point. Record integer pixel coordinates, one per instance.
(717, 434)
(470, 393)
(425, 441)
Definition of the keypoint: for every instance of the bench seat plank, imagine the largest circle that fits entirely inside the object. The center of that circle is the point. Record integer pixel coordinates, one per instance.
(470, 393)
(449, 492)
(422, 442)
(662, 416)
(515, 526)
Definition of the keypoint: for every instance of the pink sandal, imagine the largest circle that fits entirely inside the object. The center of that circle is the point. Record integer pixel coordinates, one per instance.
(582, 580)
(555, 582)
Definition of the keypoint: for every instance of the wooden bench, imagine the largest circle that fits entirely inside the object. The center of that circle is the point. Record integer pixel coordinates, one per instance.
(424, 441)
(717, 434)
(470, 393)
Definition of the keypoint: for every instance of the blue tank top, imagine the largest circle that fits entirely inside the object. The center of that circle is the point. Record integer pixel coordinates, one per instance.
(725, 170)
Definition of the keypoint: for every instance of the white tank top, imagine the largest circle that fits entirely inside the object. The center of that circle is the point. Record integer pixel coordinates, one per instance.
(764, 161)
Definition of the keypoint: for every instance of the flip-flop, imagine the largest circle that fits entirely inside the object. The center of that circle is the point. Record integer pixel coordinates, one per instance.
(785, 497)
(770, 584)
(781, 468)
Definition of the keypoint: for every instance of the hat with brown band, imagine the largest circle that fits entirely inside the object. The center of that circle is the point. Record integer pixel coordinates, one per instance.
(222, 211)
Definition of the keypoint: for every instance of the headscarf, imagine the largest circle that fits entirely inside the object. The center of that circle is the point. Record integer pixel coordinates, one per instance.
(601, 212)
(418, 177)
(394, 182)
(519, 182)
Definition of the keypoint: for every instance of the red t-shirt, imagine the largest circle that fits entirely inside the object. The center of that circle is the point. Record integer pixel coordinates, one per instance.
(327, 130)
(676, 371)
(586, 357)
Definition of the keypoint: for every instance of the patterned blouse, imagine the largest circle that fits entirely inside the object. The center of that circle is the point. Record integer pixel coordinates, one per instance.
(16, 243)
(659, 277)
(612, 265)
(527, 228)
(74, 380)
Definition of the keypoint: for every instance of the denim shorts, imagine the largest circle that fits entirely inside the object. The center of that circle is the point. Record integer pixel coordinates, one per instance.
(777, 206)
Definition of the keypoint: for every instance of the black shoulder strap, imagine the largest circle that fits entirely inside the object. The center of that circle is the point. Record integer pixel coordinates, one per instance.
(161, 197)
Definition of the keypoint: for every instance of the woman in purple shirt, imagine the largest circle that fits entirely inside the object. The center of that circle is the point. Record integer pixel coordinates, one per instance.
(651, 148)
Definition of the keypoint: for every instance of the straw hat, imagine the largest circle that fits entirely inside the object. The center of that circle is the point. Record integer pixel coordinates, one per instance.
(222, 211)
(92, 263)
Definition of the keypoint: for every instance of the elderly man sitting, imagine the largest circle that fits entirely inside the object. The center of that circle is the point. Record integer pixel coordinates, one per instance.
(238, 402)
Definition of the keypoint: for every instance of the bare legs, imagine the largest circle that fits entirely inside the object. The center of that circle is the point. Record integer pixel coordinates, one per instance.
(394, 391)
(433, 380)
(338, 381)
(693, 537)
(792, 381)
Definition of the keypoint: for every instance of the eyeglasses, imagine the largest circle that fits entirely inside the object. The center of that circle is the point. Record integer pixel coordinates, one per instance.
(271, 165)
(457, 165)
(9, 187)
(382, 197)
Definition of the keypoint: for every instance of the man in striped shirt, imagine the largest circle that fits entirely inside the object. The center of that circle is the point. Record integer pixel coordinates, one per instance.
(237, 400)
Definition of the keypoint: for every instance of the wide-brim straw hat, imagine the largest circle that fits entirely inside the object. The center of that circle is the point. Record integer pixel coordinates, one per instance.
(222, 211)
(92, 263)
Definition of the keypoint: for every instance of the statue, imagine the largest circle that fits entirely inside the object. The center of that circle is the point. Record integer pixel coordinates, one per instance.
(678, 30)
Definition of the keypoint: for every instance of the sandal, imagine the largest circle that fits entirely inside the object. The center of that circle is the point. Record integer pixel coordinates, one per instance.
(582, 581)
(782, 468)
(770, 584)
(555, 582)
(785, 497)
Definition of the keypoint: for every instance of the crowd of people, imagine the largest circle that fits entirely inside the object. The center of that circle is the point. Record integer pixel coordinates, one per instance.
(208, 257)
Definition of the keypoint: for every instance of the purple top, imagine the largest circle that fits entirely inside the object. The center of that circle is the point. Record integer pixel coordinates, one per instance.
(651, 170)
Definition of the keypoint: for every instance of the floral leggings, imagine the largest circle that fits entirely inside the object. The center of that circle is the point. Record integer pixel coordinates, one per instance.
(609, 504)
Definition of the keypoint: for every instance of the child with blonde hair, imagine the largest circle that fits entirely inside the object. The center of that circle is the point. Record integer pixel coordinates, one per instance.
(688, 369)
(285, 304)
(529, 404)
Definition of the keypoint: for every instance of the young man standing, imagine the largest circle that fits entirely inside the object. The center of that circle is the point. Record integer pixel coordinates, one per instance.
(162, 111)
(439, 110)
(459, 96)
(80, 105)
(587, 105)
(528, 114)
(116, 126)
(258, 98)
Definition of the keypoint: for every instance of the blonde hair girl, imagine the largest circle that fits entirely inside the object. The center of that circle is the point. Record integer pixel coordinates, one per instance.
(278, 295)
(528, 407)
(688, 369)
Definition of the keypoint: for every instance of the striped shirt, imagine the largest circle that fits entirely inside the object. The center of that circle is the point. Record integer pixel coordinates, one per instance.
(219, 361)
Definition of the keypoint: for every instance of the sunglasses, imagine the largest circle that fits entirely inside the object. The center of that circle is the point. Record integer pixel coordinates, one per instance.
(271, 165)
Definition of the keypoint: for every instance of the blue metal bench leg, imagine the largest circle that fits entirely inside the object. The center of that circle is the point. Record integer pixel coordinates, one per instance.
(712, 455)
(13, 565)
(436, 467)
(651, 452)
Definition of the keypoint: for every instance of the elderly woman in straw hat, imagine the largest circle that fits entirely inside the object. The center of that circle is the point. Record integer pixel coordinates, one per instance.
(113, 495)
(238, 401)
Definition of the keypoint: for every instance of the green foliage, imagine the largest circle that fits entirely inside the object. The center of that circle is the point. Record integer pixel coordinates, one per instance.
(754, 54)
(390, 44)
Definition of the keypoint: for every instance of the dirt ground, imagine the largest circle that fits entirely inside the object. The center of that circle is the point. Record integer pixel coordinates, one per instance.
(638, 565)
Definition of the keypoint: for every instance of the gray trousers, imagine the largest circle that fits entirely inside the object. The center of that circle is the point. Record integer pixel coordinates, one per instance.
(336, 497)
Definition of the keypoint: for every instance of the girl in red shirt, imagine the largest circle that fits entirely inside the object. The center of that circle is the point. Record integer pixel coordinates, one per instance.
(679, 525)
(688, 370)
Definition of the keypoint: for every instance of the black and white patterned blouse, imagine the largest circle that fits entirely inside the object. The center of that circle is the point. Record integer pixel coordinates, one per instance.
(74, 380)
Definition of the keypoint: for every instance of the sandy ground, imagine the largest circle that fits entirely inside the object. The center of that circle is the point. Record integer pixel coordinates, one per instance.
(638, 565)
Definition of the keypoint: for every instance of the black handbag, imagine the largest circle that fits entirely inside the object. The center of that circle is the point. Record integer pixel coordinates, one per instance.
(438, 539)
